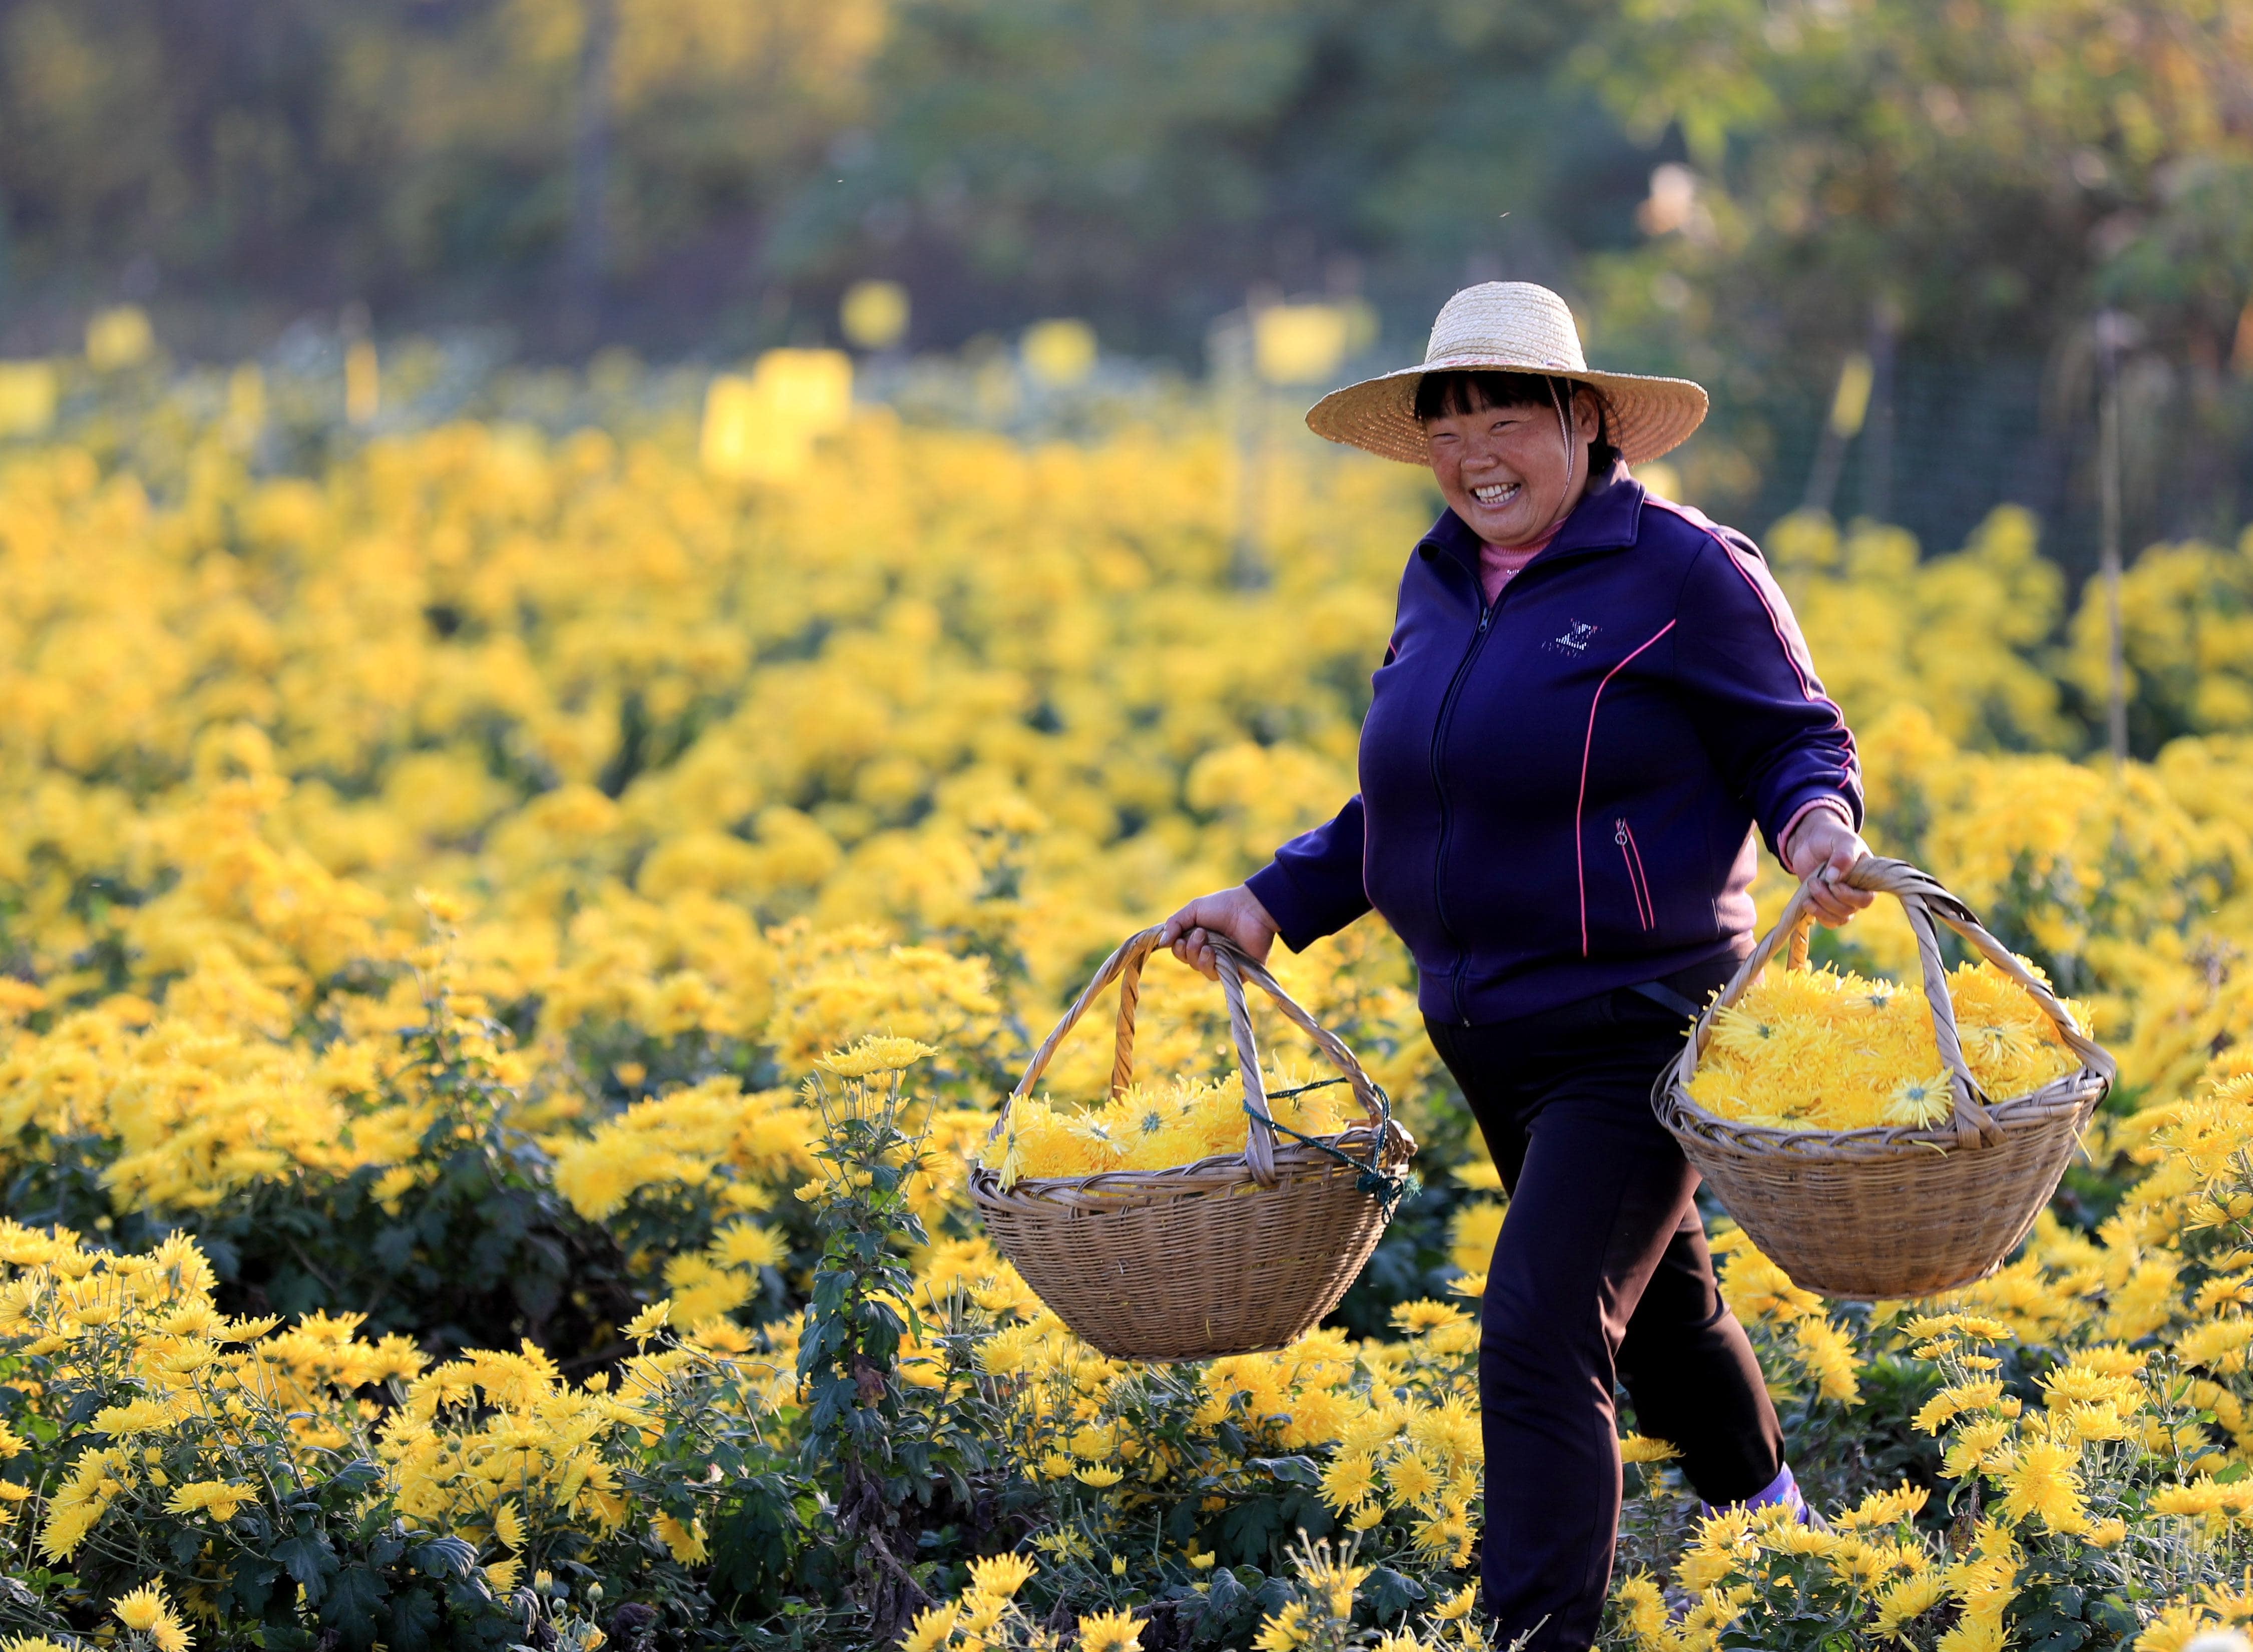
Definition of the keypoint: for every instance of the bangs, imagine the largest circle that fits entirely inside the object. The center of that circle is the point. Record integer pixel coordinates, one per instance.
(1478, 390)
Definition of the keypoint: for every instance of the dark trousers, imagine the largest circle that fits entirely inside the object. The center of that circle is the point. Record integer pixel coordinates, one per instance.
(1601, 1275)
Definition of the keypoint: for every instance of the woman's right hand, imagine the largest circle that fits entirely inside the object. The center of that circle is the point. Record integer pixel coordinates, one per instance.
(1235, 913)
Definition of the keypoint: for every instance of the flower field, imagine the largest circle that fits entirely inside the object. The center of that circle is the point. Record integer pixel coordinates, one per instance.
(507, 940)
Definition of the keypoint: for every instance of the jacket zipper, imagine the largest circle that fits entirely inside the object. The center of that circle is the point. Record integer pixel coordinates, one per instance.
(1633, 858)
(1439, 785)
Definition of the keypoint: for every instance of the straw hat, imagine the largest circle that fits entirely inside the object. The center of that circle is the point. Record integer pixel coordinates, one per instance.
(1510, 326)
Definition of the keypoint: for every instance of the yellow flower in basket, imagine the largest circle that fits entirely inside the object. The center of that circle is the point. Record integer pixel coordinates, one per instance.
(1816, 1049)
(1157, 1126)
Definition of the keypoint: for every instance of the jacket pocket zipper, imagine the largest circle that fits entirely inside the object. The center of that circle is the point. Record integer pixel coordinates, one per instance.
(1632, 859)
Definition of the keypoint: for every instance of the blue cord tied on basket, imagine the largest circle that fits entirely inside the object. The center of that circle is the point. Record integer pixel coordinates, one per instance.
(1387, 1188)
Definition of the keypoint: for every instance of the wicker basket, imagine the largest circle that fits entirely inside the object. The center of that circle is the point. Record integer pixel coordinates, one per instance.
(1231, 1255)
(1893, 1212)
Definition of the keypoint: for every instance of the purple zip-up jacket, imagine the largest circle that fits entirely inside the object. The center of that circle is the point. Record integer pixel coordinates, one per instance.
(1559, 789)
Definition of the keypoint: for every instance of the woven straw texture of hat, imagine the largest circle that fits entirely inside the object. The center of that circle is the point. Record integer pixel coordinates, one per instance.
(1510, 326)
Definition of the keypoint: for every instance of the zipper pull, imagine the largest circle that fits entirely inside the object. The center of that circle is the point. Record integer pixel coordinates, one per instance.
(1619, 833)
(1485, 614)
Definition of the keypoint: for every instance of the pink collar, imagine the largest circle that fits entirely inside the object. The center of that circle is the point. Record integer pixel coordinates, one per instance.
(1499, 564)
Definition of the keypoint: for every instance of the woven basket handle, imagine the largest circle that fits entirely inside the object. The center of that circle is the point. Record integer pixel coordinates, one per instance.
(1923, 900)
(1235, 967)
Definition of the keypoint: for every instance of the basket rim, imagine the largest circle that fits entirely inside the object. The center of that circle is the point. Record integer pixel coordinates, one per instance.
(1215, 1173)
(1232, 966)
(2061, 1099)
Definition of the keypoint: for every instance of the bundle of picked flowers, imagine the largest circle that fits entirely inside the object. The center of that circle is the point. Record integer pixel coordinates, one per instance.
(1815, 1050)
(1157, 1126)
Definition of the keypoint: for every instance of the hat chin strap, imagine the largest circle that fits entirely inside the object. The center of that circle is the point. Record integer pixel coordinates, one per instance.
(1572, 457)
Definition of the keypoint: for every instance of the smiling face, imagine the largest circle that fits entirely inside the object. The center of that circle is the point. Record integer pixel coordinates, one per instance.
(1510, 471)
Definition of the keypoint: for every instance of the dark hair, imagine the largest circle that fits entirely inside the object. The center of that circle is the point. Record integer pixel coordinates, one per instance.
(1476, 390)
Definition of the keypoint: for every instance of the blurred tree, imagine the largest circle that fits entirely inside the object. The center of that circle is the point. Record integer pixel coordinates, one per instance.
(1994, 166)
(1138, 161)
(1143, 161)
(724, 107)
(430, 154)
(1982, 174)
(187, 128)
(1745, 190)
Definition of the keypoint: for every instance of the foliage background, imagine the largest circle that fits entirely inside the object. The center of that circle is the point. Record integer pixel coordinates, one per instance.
(1957, 186)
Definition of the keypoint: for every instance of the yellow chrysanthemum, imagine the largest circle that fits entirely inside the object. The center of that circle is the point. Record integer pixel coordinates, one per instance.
(1349, 1480)
(1457, 1605)
(647, 1323)
(1908, 1598)
(1412, 1477)
(1284, 1630)
(1921, 1102)
(1157, 1126)
(1110, 1632)
(873, 1054)
(931, 1629)
(1953, 1402)
(218, 1498)
(686, 1543)
(1817, 1049)
(1001, 1575)
(1640, 1448)
(146, 1610)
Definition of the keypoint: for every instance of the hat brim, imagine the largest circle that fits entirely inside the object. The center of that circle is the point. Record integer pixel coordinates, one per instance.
(1646, 415)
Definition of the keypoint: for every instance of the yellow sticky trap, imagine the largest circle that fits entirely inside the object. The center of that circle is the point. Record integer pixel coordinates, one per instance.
(246, 404)
(1851, 405)
(27, 398)
(119, 337)
(1059, 352)
(873, 314)
(762, 427)
(363, 383)
(1659, 477)
(1298, 343)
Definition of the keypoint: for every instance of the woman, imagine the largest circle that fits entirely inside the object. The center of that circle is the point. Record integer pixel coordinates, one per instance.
(1592, 701)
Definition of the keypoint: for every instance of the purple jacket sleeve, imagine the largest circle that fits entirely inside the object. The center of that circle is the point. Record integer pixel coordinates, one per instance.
(1313, 886)
(1746, 674)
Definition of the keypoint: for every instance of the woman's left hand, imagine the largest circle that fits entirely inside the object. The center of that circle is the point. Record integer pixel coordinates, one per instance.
(1823, 844)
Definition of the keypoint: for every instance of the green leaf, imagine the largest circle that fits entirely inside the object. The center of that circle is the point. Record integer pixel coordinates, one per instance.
(253, 1582)
(443, 1557)
(1249, 1526)
(309, 1560)
(1292, 1471)
(354, 1477)
(351, 1606)
(1228, 1614)
(410, 1622)
(1388, 1594)
(751, 1542)
(2115, 1615)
